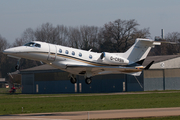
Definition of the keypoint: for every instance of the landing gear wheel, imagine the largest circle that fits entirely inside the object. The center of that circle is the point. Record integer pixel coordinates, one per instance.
(88, 81)
(73, 80)
(17, 67)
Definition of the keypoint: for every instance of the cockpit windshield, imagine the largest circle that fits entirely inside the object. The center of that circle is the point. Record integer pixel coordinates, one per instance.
(32, 44)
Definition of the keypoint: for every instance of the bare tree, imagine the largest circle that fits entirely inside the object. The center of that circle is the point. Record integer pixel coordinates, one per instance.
(47, 33)
(89, 36)
(83, 37)
(18, 42)
(28, 35)
(143, 33)
(121, 33)
(173, 48)
(3, 44)
(5, 62)
(74, 37)
(62, 37)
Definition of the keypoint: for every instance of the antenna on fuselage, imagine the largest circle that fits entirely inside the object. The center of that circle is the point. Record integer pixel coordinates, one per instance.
(90, 50)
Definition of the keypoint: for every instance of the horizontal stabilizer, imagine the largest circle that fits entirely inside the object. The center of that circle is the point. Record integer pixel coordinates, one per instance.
(148, 66)
(167, 42)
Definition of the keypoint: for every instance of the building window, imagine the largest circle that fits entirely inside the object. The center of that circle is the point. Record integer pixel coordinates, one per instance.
(90, 56)
(73, 53)
(67, 52)
(60, 50)
(80, 54)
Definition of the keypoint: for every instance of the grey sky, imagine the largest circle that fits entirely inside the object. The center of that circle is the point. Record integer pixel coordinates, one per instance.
(18, 15)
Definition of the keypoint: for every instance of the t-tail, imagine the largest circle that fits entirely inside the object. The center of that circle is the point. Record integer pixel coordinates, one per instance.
(139, 51)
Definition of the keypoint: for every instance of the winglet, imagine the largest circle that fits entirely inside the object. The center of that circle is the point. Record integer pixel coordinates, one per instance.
(140, 62)
(148, 66)
(137, 63)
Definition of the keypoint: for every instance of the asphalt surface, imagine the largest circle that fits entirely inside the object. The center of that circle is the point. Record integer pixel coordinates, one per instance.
(103, 114)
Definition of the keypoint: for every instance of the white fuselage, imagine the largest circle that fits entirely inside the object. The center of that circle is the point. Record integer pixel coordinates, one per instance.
(60, 56)
(87, 63)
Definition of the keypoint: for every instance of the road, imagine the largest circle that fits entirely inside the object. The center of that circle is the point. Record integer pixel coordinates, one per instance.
(102, 114)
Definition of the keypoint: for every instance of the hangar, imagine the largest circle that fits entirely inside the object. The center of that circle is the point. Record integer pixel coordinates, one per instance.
(164, 74)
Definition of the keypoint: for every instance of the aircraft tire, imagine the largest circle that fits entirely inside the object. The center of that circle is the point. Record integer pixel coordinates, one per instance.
(17, 67)
(73, 80)
(88, 81)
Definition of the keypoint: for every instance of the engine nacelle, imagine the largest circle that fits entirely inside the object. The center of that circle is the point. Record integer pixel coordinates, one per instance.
(110, 58)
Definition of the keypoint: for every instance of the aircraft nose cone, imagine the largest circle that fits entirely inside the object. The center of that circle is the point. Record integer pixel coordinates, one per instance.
(9, 51)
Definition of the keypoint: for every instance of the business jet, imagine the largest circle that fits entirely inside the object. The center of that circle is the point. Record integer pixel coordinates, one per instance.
(86, 63)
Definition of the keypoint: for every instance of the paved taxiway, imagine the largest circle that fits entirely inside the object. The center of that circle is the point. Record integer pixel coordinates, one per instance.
(111, 114)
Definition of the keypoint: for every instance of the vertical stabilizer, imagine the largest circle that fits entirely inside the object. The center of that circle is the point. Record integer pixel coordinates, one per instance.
(139, 50)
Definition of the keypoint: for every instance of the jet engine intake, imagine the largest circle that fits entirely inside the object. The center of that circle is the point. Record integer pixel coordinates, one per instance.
(110, 58)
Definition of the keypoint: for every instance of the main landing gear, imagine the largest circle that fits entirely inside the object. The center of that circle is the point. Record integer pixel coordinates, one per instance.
(88, 81)
(73, 79)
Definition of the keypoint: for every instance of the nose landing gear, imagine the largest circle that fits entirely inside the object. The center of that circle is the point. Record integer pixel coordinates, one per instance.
(72, 78)
(17, 67)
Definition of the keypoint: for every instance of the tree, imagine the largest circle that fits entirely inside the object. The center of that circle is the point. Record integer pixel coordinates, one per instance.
(168, 49)
(83, 37)
(89, 36)
(173, 48)
(122, 33)
(4, 44)
(74, 37)
(47, 33)
(5, 62)
(27, 36)
(62, 37)
(143, 33)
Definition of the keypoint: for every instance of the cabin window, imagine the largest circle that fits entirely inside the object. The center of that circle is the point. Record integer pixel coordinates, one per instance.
(73, 53)
(80, 54)
(37, 45)
(90, 56)
(67, 52)
(60, 50)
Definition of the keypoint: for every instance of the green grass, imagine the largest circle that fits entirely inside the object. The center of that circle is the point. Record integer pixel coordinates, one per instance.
(13, 103)
(4, 90)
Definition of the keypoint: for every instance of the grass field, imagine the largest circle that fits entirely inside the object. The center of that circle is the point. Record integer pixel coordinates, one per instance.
(13, 103)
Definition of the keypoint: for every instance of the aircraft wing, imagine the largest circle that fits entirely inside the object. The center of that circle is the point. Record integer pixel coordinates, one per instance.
(100, 70)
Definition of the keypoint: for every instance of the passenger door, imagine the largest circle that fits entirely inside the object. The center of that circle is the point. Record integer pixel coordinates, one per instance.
(52, 52)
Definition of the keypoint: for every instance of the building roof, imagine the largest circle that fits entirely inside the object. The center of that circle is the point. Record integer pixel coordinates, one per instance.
(149, 59)
(160, 58)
